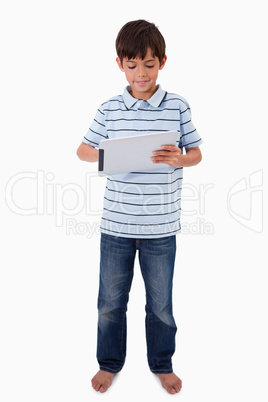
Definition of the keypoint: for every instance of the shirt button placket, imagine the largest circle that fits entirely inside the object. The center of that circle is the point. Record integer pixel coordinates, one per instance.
(138, 113)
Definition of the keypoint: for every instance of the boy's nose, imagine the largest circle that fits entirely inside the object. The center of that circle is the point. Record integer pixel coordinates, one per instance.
(141, 72)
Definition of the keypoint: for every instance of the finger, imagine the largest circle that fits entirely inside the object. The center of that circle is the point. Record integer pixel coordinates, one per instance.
(160, 159)
(172, 148)
(161, 153)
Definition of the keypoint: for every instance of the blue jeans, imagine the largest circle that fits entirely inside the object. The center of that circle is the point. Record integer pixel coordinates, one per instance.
(156, 258)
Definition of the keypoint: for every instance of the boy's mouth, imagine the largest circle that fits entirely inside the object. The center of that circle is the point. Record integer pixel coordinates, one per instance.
(141, 82)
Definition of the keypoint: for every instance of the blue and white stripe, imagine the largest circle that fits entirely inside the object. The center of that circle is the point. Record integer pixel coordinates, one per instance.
(143, 204)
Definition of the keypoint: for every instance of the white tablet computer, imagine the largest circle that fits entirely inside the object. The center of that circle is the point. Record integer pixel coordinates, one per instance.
(132, 154)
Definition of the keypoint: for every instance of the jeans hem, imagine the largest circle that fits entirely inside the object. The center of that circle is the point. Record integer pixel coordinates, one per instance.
(110, 370)
(162, 371)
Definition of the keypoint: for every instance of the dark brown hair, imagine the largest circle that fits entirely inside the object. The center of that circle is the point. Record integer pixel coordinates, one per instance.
(136, 37)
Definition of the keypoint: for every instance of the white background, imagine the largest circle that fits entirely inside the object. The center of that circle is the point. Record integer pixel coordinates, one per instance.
(57, 66)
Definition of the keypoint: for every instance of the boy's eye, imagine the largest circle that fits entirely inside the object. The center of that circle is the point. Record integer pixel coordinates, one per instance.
(132, 68)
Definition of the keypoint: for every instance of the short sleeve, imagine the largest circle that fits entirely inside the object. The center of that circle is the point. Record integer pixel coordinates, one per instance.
(189, 135)
(97, 131)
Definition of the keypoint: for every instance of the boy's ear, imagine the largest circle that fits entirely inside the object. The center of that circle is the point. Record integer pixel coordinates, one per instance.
(163, 62)
(118, 61)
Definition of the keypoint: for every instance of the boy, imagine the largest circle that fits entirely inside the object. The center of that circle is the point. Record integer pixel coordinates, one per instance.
(141, 209)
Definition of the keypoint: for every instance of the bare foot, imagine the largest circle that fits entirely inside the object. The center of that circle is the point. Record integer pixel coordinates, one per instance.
(170, 382)
(102, 380)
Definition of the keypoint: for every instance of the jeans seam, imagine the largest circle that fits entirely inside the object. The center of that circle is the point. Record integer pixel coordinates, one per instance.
(124, 317)
(147, 312)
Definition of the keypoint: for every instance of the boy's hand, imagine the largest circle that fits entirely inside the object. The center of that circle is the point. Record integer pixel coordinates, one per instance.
(172, 156)
(169, 154)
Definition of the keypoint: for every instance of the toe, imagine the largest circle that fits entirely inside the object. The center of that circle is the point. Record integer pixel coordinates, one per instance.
(103, 388)
(93, 381)
(177, 387)
(96, 386)
(171, 390)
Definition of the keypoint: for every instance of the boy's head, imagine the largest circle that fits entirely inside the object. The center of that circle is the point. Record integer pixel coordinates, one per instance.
(136, 37)
(141, 54)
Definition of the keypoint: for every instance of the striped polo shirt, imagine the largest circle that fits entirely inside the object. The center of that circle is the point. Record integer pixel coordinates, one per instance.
(143, 204)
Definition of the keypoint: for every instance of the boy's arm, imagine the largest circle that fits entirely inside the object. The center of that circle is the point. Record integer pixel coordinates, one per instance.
(87, 153)
(172, 156)
(193, 157)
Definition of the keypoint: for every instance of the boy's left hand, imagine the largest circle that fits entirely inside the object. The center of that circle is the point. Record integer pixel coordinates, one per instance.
(169, 154)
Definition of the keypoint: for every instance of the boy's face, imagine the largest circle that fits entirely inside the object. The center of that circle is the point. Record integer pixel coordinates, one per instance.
(142, 74)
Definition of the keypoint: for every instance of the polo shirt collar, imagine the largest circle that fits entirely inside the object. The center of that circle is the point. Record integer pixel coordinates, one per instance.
(154, 101)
